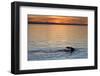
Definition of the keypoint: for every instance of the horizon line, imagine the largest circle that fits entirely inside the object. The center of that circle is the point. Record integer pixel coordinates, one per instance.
(55, 23)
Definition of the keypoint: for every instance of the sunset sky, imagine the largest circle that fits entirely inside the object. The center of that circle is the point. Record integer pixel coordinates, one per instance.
(57, 19)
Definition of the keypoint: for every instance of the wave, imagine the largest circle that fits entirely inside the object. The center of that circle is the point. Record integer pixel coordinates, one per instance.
(79, 53)
(48, 50)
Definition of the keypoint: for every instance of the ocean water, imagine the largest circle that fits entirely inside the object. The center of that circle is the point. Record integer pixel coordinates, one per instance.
(80, 53)
(45, 41)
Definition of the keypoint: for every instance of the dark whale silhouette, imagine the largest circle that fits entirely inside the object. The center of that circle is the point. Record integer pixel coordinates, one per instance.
(68, 49)
(71, 49)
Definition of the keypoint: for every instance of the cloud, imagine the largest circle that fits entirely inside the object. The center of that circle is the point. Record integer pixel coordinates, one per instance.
(57, 19)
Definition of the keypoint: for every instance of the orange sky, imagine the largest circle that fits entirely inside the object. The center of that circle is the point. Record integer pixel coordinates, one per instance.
(58, 19)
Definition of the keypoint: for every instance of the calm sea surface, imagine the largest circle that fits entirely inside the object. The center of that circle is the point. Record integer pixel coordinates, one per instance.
(44, 40)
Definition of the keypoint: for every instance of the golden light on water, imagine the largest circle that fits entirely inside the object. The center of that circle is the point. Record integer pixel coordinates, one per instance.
(45, 34)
